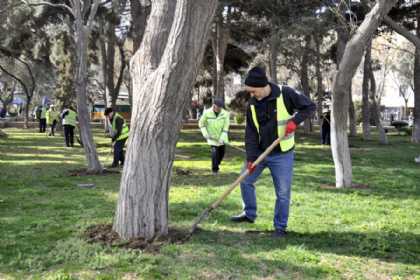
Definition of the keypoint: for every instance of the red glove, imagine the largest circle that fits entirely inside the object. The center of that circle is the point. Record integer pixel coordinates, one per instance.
(290, 127)
(251, 167)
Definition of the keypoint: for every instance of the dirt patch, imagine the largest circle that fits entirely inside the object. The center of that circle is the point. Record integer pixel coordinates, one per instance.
(104, 234)
(84, 172)
(353, 186)
(182, 172)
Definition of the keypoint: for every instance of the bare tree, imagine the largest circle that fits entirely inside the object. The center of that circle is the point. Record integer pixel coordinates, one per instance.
(83, 13)
(415, 39)
(7, 91)
(163, 70)
(350, 61)
(219, 42)
(26, 80)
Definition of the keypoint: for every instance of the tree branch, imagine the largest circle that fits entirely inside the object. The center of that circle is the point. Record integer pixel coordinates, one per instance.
(92, 14)
(42, 3)
(402, 31)
(25, 88)
(123, 65)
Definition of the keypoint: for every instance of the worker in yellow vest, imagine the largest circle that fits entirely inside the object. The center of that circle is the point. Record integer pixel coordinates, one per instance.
(214, 125)
(52, 119)
(69, 118)
(42, 118)
(272, 112)
(119, 134)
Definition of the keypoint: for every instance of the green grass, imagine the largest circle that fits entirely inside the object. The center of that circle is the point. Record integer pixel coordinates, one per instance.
(335, 234)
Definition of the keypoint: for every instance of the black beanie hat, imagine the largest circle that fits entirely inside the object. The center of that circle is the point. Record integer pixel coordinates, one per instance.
(108, 111)
(256, 78)
(218, 102)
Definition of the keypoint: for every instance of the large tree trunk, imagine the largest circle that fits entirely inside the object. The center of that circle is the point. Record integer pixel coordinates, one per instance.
(350, 61)
(82, 36)
(220, 39)
(274, 53)
(365, 92)
(318, 72)
(164, 70)
(304, 79)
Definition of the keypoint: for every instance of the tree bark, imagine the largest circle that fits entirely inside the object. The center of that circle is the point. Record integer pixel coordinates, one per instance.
(163, 70)
(348, 65)
(102, 46)
(220, 39)
(374, 107)
(415, 138)
(352, 113)
(318, 72)
(81, 34)
(365, 92)
(304, 79)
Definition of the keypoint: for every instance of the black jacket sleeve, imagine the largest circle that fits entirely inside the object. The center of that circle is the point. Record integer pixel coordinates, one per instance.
(300, 103)
(118, 125)
(64, 114)
(251, 138)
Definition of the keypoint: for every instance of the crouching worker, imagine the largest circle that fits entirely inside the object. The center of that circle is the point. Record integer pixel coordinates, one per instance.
(214, 125)
(119, 134)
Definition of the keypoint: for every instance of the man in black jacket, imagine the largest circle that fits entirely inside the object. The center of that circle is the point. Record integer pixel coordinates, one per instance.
(272, 112)
(119, 134)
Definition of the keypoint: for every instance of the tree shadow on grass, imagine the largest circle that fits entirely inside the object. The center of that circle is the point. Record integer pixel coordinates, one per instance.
(201, 178)
(399, 247)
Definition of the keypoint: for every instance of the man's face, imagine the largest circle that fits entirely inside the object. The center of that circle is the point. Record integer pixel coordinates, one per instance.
(216, 108)
(110, 115)
(257, 92)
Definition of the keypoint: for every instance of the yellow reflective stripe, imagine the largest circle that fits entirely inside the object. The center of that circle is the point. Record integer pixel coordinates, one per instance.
(254, 118)
(283, 117)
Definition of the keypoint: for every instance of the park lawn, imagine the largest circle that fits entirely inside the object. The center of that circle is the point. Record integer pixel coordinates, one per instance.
(369, 233)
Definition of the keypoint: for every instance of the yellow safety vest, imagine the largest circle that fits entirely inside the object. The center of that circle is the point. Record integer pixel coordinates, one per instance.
(283, 117)
(43, 113)
(70, 118)
(124, 130)
(215, 128)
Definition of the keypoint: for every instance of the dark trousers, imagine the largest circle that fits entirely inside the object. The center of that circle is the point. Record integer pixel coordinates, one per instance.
(69, 135)
(217, 154)
(119, 152)
(42, 125)
(325, 135)
(52, 128)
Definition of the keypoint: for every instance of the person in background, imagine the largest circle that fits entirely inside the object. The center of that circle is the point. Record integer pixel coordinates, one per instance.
(41, 114)
(52, 119)
(214, 125)
(326, 128)
(119, 135)
(69, 118)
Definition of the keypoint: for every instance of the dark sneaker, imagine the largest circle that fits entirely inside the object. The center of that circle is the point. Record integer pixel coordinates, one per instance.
(279, 233)
(241, 218)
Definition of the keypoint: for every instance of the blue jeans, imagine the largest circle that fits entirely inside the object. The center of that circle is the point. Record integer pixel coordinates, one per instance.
(281, 168)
